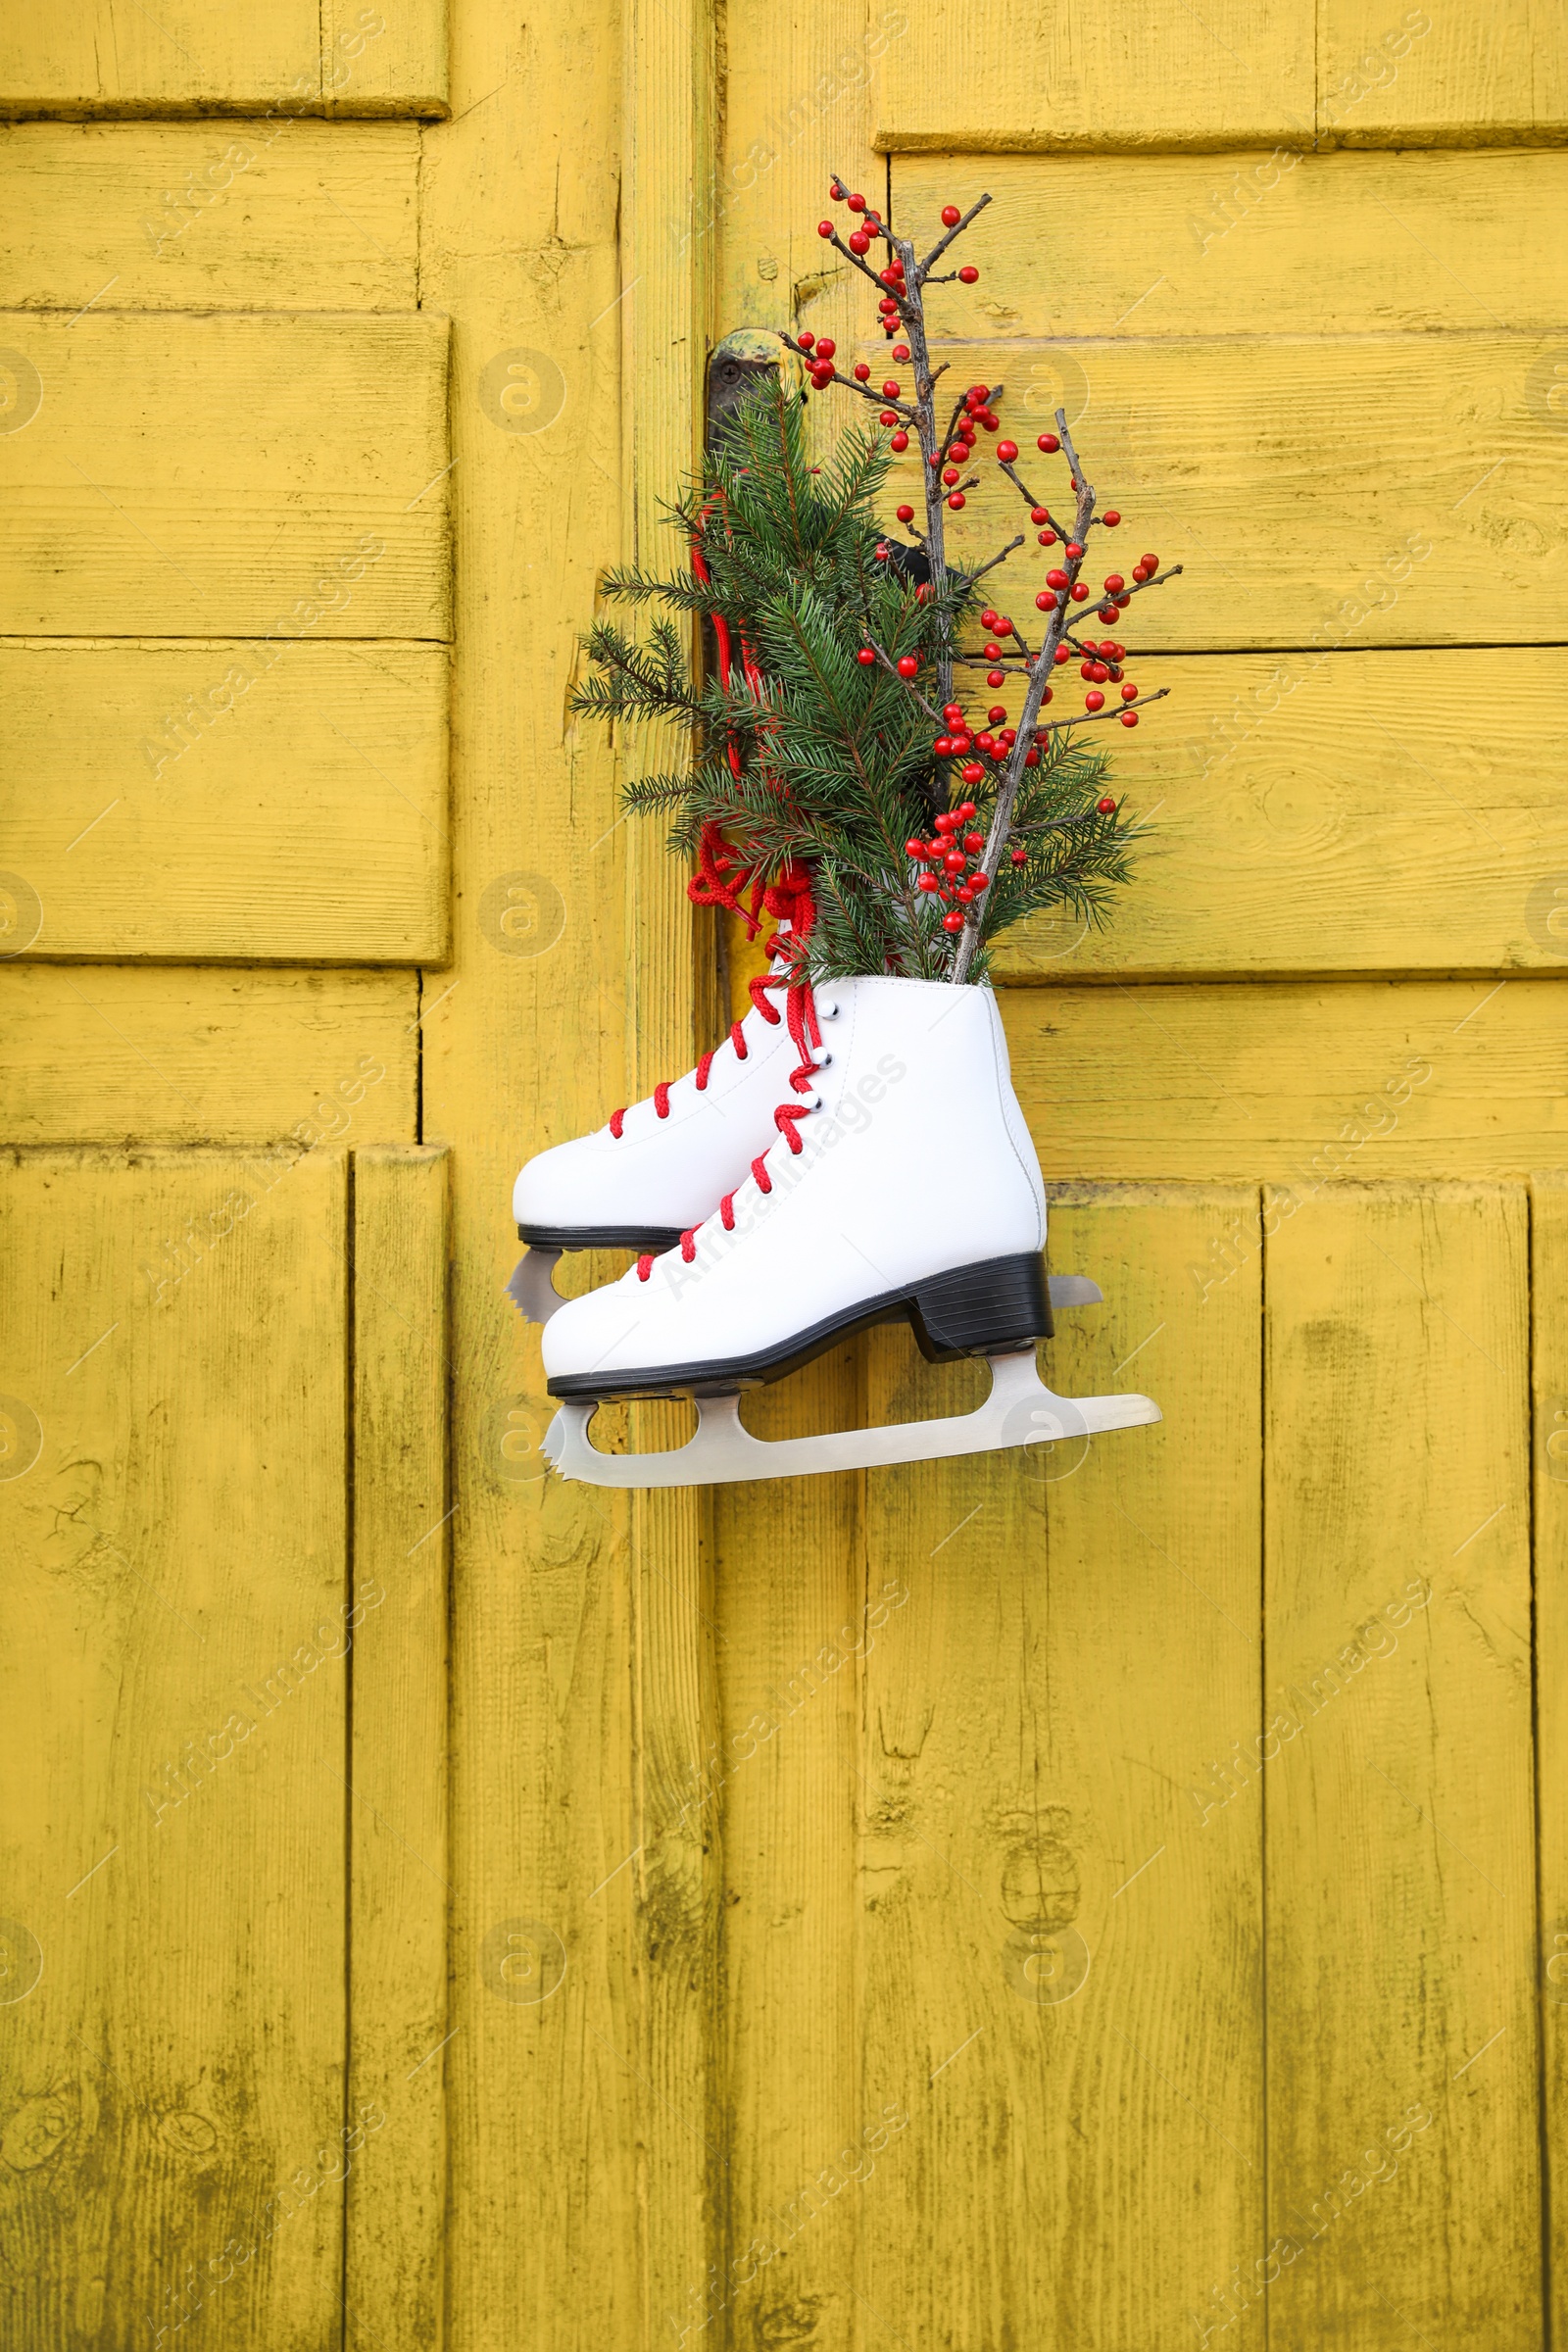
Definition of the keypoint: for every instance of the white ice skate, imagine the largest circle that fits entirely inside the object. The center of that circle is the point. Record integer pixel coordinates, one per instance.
(661, 1167)
(900, 1184)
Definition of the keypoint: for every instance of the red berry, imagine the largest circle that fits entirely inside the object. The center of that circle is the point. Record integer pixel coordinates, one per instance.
(965, 810)
(887, 417)
(1056, 578)
(1048, 443)
(863, 373)
(1129, 693)
(1046, 599)
(806, 341)
(942, 748)
(985, 742)
(973, 842)
(914, 849)
(1099, 672)
(826, 347)
(996, 713)
(1050, 695)
(904, 514)
(824, 229)
(956, 498)
(972, 772)
(1110, 517)
(890, 390)
(1115, 582)
(951, 215)
(947, 821)
(987, 619)
(1062, 653)
(1075, 550)
(858, 240)
(949, 474)
(954, 861)
(953, 713)
(1078, 592)
(1048, 538)
(996, 677)
(1107, 808)
(1129, 718)
(926, 882)
(908, 665)
(1003, 626)
(1086, 669)
(901, 351)
(1039, 515)
(953, 923)
(900, 441)
(882, 555)
(969, 275)
(965, 892)
(1021, 856)
(1094, 700)
(979, 882)
(1150, 562)
(865, 655)
(857, 203)
(1007, 450)
(977, 395)
(992, 653)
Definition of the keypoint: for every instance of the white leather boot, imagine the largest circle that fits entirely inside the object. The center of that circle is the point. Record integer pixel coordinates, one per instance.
(900, 1184)
(658, 1167)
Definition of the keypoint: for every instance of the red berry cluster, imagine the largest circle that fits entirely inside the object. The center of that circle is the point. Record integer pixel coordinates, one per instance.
(947, 861)
(994, 741)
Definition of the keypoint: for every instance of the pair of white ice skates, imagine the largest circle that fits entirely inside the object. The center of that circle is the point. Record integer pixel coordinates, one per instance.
(879, 1170)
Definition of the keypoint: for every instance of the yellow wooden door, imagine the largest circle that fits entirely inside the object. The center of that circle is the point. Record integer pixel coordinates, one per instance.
(1116, 1900)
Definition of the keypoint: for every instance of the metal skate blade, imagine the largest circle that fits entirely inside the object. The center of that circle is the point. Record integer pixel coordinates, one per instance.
(530, 1289)
(1020, 1410)
(1073, 1290)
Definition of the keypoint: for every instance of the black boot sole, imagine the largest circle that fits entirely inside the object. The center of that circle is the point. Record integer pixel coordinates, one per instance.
(655, 1237)
(993, 1307)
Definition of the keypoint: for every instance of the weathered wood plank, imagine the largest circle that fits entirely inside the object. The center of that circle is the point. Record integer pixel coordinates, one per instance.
(1282, 241)
(203, 56)
(1463, 78)
(530, 1047)
(1136, 76)
(1549, 1267)
(177, 1602)
(1299, 1083)
(176, 1054)
(1402, 2064)
(227, 476)
(155, 216)
(229, 800)
(1061, 1637)
(398, 2022)
(1345, 813)
(1439, 528)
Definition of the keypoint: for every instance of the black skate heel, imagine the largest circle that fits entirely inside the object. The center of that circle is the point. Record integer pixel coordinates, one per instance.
(996, 1308)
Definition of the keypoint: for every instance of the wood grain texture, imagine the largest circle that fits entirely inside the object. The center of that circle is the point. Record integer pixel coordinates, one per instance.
(1549, 1267)
(1401, 1830)
(177, 1598)
(1061, 1980)
(1444, 77)
(1306, 1084)
(106, 57)
(1332, 813)
(1278, 241)
(1140, 76)
(159, 1055)
(201, 475)
(396, 2221)
(550, 2103)
(229, 800)
(176, 216)
(1439, 528)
